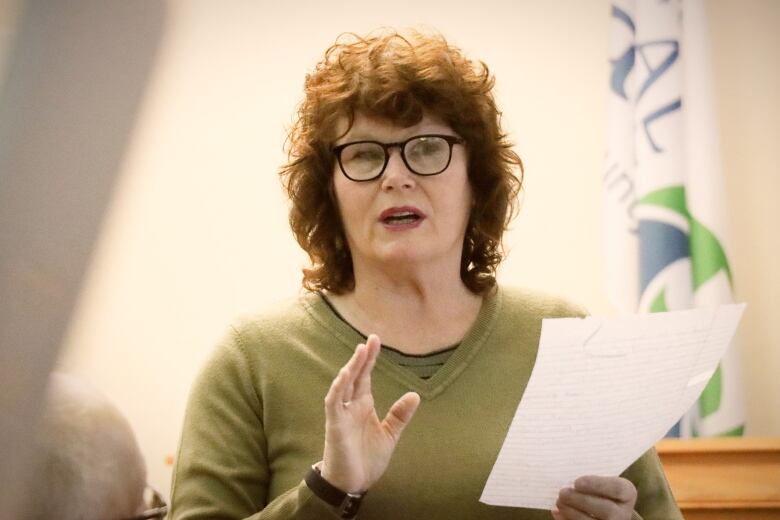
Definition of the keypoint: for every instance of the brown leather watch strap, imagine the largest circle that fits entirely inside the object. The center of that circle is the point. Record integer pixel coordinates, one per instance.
(347, 504)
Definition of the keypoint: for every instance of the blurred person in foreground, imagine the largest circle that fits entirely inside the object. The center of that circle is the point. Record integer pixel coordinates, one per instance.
(402, 184)
(90, 465)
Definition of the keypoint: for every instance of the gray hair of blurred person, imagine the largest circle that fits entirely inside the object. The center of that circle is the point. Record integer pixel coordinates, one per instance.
(91, 467)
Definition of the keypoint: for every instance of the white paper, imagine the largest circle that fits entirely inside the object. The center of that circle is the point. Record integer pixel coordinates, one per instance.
(601, 393)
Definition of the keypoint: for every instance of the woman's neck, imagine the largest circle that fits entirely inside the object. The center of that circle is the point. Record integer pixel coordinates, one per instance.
(416, 315)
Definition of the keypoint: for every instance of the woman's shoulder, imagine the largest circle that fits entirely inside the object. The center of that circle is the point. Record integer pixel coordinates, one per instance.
(261, 338)
(539, 303)
(276, 318)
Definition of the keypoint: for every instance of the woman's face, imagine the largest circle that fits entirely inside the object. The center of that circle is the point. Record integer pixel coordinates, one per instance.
(401, 217)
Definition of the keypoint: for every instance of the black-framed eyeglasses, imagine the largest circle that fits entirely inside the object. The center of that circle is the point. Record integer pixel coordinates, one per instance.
(156, 506)
(428, 154)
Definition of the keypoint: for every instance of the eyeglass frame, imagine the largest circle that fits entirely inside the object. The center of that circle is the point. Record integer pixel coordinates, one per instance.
(450, 139)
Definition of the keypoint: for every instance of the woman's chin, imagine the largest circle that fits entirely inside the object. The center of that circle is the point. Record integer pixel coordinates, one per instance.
(398, 256)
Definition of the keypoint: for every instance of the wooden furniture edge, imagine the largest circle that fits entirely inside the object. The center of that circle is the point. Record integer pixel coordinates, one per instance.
(728, 504)
(718, 445)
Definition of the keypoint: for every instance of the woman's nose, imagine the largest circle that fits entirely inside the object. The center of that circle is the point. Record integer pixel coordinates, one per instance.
(397, 175)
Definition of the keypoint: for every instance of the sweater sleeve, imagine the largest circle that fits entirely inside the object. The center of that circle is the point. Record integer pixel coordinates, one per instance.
(222, 469)
(655, 500)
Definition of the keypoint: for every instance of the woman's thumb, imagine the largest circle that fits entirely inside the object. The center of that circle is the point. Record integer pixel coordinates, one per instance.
(400, 414)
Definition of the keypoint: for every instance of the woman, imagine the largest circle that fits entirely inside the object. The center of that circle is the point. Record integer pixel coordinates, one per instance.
(401, 184)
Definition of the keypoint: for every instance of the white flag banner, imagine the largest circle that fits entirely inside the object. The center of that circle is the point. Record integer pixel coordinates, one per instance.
(664, 211)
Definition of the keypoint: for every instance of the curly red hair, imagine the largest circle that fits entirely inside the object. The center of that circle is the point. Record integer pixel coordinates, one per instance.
(398, 77)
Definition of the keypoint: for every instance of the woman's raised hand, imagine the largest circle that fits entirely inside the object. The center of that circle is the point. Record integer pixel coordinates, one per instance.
(605, 498)
(358, 446)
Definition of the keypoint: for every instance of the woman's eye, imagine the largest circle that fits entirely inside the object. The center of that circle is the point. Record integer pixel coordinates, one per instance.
(426, 147)
(367, 155)
(363, 153)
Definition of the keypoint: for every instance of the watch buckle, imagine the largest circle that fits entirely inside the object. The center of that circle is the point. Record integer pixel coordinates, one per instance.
(349, 506)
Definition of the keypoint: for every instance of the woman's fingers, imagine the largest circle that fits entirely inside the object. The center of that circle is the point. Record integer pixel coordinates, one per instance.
(571, 501)
(570, 513)
(616, 488)
(400, 414)
(353, 368)
(342, 387)
(354, 378)
(606, 498)
(363, 380)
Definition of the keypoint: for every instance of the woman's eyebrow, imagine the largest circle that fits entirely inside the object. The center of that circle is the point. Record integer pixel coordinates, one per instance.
(359, 136)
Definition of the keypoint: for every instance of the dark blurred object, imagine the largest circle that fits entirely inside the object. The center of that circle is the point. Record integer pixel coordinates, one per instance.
(157, 508)
(75, 76)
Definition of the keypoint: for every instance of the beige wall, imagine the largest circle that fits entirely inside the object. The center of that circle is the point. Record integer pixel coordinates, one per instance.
(197, 233)
(746, 43)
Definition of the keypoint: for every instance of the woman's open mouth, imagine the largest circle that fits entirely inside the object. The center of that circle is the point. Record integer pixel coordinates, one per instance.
(401, 218)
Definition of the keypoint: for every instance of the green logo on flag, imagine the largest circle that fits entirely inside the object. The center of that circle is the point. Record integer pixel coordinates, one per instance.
(707, 259)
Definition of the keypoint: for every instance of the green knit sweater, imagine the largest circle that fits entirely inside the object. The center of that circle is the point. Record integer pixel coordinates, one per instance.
(255, 420)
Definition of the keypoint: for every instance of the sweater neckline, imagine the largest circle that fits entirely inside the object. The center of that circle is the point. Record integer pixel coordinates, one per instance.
(348, 338)
(433, 353)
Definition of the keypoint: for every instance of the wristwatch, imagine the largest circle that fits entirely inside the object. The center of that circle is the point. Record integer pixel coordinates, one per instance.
(347, 504)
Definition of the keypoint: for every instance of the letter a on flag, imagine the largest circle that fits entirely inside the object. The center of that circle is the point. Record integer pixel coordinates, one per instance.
(664, 205)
